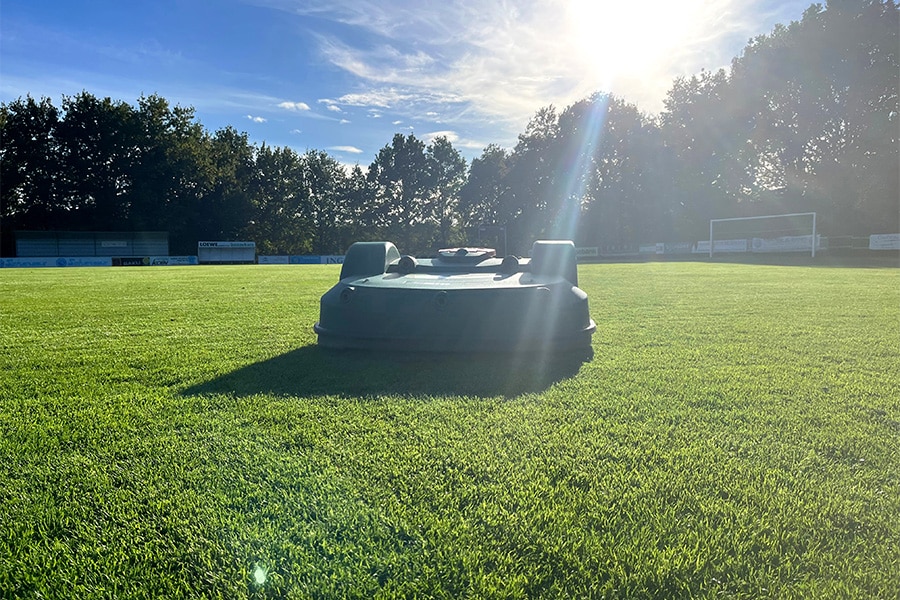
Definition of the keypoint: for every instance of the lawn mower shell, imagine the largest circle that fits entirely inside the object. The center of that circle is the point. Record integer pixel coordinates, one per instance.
(462, 300)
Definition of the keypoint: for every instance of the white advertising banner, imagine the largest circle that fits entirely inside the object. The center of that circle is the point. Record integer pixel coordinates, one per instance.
(53, 261)
(884, 241)
(679, 248)
(591, 252)
(27, 263)
(226, 244)
(730, 246)
(226, 252)
(173, 261)
(312, 259)
(273, 260)
(734, 246)
(790, 243)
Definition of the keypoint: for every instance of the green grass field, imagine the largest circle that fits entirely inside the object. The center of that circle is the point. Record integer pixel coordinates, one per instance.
(175, 432)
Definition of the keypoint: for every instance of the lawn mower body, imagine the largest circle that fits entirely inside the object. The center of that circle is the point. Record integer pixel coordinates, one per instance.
(462, 300)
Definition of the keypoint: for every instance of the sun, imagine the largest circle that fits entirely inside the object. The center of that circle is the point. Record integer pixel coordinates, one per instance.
(622, 37)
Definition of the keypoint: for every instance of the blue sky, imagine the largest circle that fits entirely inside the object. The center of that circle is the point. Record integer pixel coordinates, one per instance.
(345, 75)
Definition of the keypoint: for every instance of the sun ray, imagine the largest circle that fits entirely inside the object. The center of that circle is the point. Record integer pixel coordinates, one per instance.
(578, 161)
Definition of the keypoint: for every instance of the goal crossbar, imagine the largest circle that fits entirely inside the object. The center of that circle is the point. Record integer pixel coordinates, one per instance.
(712, 222)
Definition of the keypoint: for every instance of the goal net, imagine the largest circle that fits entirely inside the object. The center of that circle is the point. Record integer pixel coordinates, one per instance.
(793, 232)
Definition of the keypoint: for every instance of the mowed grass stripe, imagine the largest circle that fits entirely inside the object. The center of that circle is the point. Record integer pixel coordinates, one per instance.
(175, 432)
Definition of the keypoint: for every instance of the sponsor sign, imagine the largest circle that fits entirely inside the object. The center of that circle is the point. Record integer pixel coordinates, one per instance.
(590, 252)
(790, 243)
(678, 248)
(113, 244)
(87, 261)
(53, 261)
(730, 246)
(305, 260)
(27, 263)
(647, 249)
(884, 241)
(226, 252)
(316, 259)
(131, 261)
(172, 261)
(274, 260)
(226, 244)
(702, 247)
(620, 250)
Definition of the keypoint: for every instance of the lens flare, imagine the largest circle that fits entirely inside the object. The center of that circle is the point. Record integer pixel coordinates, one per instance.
(578, 163)
(260, 574)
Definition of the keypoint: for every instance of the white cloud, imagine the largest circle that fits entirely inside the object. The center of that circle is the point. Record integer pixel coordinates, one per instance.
(256, 119)
(499, 61)
(455, 139)
(348, 149)
(330, 105)
(379, 98)
(471, 144)
(384, 63)
(294, 106)
(344, 122)
(397, 122)
(451, 136)
(392, 98)
(296, 131)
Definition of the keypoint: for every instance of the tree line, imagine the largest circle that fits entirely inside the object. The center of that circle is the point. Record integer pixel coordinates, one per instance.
(805, 119)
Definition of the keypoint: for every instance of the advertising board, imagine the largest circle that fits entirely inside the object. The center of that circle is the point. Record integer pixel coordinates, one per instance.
(884, 241)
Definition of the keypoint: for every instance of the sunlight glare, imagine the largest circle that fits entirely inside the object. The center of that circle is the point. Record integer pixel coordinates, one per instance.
(616, 38)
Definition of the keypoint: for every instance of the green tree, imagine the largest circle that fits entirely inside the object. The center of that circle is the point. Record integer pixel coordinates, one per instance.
(29, 165)
(704, 129)
(360, 210)
(399, 176)
(324, 204)
(482, 193)
(446, 176)
(526, 207)
(225, 209)
(96, 139)
(609, 174)
(170, 170)
(825, 127)
(279, 223)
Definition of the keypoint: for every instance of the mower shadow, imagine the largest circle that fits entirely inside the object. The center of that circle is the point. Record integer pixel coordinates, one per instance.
(312, 371)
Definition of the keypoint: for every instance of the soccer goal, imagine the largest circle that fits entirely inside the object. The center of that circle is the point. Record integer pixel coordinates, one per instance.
(792, 232)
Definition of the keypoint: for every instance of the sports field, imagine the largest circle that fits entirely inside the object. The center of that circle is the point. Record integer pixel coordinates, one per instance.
(175, 432)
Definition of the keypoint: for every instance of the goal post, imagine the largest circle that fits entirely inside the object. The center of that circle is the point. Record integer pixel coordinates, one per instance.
(755, 222)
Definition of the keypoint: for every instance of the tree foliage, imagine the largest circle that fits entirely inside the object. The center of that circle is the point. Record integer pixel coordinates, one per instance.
(805, 119)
